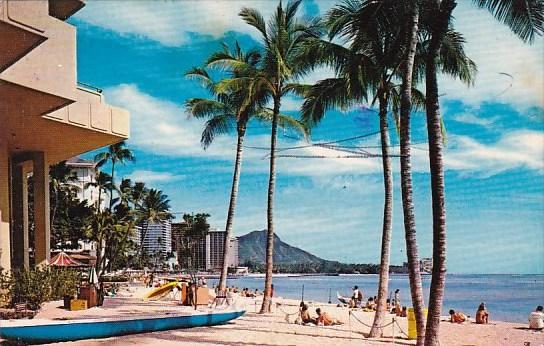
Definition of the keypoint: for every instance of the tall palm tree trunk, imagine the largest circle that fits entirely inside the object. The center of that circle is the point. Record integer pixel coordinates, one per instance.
(232, 205)
(436, 165)
(142, 237)
(270, 211)
(381, 309)
(112, 183)
(416, 289)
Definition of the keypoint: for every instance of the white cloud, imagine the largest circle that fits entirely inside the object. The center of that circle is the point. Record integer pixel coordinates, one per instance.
(498, 53)
(154, 177)
(163, 127)
(172, 22)
(517, 149)
(470, 118)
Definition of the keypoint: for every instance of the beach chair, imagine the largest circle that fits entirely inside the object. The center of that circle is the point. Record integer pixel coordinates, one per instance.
(22, 309)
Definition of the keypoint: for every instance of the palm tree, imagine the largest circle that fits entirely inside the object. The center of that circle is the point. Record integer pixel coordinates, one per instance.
(115, 153)
(283, 38)
(368, 66)
(60, 176)
(416, 289)
(103, 182)
(228, 110)
(525, 18)
(155, 208)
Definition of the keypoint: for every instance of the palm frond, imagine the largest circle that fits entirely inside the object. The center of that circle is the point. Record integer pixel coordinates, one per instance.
(523, 17)
(453, 59)
(324, 95)
(284, 121)
(218, 125)
(252, 17)
(205, 108)
(201, 75)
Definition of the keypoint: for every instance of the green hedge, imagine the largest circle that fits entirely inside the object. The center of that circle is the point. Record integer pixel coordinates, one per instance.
(38, 285)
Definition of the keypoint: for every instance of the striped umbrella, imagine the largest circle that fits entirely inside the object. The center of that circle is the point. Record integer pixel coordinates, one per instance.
(63, 260)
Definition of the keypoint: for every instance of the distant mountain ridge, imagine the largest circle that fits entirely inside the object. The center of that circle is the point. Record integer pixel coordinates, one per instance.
(291, 259)
(252, 247)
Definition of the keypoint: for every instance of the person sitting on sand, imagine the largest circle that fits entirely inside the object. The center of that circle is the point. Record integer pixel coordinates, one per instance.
(304, 315)
(370, 304)
(457, 317)
(404, 312)
(388, 304)
(536, 318)
(324, 319)
(482, 316)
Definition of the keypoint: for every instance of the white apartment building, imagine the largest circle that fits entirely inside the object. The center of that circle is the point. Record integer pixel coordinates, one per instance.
(85, 170)
(232, 260)
(157, 238)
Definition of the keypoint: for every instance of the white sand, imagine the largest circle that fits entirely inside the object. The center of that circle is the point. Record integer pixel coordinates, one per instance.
(272, 329)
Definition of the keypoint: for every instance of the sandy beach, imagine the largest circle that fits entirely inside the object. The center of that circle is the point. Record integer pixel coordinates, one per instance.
(273, 328)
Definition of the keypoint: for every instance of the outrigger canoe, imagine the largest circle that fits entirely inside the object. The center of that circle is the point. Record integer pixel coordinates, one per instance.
(46, 331)
(342, 299)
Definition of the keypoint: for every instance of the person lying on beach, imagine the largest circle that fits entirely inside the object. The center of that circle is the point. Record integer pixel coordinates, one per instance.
(536, 318)
(457, 317)
(482, 316)
(324, 319)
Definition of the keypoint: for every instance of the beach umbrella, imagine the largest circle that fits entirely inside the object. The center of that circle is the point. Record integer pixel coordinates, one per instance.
(93, 277)
(62, 259)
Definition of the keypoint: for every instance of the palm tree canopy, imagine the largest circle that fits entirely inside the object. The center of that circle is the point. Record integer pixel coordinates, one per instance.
(365, 59)
(116, 153)
(283, 38)
(523, 17)
(155, 207)
(102, 181)
(232, 108)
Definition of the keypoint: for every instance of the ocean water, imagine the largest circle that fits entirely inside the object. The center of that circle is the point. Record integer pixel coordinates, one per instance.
(508, 297)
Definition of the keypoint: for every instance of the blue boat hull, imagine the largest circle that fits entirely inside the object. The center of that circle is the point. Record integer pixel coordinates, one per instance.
(95, 329)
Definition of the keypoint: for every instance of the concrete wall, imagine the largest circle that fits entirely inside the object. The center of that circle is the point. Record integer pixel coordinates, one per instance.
(5, 262)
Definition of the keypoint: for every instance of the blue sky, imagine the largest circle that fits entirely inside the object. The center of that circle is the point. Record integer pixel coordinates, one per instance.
(138, 52)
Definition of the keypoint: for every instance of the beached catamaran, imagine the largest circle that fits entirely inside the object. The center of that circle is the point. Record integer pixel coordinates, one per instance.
(45, 331)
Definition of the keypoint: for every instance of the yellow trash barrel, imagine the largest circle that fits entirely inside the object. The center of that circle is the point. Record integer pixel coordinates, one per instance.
(412, 329)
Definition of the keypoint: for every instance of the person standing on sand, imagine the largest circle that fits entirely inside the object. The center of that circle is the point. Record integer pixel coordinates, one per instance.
(356, 297)
(536, 318)
(398, 305)
(482, 316)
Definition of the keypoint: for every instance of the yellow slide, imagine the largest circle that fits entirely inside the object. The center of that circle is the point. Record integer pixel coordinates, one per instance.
(161, 291)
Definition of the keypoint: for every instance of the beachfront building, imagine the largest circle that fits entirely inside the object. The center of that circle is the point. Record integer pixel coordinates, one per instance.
(216, 249)
(426, 265)
(233, 259)
(46, 116)
(85, 172)
(157, 237)
(208, 252)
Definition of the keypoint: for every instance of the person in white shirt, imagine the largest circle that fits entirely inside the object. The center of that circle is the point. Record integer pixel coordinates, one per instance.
(536, 318)
(356, 298)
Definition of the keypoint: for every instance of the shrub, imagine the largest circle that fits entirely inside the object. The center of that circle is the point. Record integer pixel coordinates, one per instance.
(38, 285)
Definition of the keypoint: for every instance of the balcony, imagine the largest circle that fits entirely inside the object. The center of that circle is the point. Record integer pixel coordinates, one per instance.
(49, 68)
(64, 9)
(86, 124)
(21, 28)
(91, 112)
